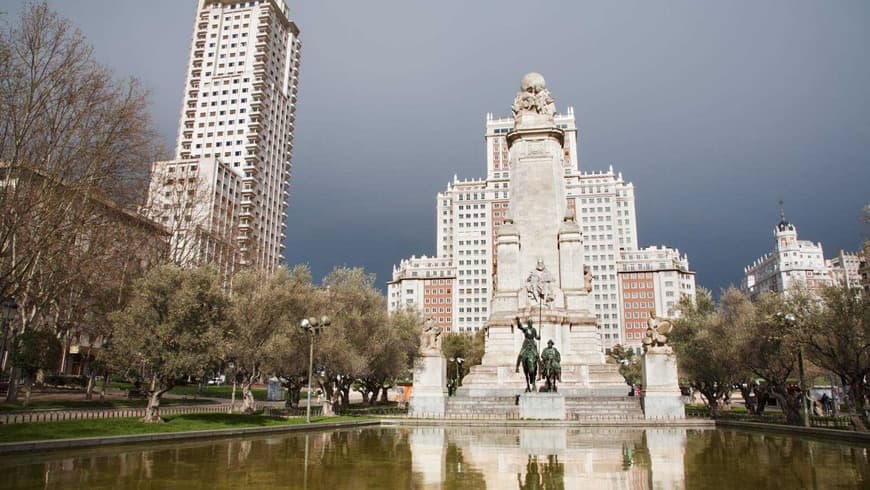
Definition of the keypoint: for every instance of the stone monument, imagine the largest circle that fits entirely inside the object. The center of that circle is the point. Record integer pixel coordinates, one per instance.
(429, 395)
(541, 275)
(661, 390)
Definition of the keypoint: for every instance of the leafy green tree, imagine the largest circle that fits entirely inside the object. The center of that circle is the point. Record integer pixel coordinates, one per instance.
(262, 306)
(175, 324)
(770, 352)
(469, 347)
(629, 364)
(836, 335)
(35, 349)
(705, 360)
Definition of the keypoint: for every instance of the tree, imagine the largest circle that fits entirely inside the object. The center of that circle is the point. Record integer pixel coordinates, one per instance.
(263, 306)
(700, 340)
(468, 347)
(836, 335)
(34, 350)
(67, 132)
(770, 352)
(629, 364)
(70, 138)
(176, 324)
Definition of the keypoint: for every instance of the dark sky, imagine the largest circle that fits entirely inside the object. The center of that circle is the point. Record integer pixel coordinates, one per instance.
(714, 110)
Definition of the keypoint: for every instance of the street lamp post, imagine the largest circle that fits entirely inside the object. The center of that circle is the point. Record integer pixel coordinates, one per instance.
(312, 327)
(791, 320)
(458, 361)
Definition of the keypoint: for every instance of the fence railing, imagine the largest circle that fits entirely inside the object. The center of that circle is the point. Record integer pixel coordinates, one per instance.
(61, 415)
(828, 421)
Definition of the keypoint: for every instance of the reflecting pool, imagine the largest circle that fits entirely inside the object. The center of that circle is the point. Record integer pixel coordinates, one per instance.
(457, 457)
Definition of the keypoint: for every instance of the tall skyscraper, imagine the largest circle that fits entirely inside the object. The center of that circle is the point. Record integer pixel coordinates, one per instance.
(224, 197)
(469, 212)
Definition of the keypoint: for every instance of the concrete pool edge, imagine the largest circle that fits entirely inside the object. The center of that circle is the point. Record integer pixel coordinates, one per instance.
(84, 442)
(78, 443)
(819, 432)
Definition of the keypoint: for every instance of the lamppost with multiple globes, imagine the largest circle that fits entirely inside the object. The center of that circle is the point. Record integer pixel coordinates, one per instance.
(791, 321)
(458, 361)
(312, 328)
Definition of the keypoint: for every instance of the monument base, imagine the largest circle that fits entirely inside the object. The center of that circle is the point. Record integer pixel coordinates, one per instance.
(429, 398)
(661, 398)
(542, 406)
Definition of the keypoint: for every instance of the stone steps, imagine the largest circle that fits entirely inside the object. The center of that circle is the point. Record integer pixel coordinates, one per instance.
(587, 409)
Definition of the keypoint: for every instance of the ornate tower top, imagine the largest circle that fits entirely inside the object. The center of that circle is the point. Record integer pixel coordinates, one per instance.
(533, 105)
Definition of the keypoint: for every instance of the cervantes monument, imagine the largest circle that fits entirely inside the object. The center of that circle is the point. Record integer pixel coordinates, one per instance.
(540, 272)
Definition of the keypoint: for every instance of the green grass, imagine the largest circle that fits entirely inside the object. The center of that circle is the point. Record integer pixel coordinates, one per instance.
(116, 427)
(85, 404)
(208, 391)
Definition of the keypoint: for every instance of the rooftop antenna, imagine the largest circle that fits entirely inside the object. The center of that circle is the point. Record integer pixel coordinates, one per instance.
(781, 211)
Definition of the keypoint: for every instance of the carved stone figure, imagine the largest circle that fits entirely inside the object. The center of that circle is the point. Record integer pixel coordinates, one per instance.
(587, 278)
(528, 355)
(539, 285)
(533, 98)
(430, 340)
(551, 366)
(657, 331)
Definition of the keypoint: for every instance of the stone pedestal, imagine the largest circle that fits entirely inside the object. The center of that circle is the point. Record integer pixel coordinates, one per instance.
(542, 406)
(429, 398)
(661, 390)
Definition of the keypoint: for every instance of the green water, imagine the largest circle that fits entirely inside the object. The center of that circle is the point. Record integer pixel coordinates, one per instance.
(457, 457)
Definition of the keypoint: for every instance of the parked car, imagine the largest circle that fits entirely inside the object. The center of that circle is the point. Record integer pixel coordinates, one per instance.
(218, 380)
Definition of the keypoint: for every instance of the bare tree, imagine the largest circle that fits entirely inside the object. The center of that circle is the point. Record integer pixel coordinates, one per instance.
(70, 136)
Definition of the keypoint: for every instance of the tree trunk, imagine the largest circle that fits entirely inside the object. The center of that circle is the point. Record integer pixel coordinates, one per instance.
(365, 395)
(233, 398)
(12, 392)
(248, 405)
(105, 384)
(385, 397)
(345, 396)
(152, 411)
(92, 380)
(28, 389)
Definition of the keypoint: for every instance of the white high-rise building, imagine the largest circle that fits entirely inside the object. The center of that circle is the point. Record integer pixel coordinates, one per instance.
(470, 211)
(238, 116)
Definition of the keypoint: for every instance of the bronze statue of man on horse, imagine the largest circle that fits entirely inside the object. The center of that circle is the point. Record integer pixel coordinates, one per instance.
(528, 356)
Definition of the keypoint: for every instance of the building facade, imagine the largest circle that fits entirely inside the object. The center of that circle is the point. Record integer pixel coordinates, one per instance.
(236, 130)
(792, 264)
(469, 213)
(844, 269)
(651, 282)
(426, 284)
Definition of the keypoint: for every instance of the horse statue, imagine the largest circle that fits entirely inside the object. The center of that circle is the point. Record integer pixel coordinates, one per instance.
(551, 367)
(528, 356)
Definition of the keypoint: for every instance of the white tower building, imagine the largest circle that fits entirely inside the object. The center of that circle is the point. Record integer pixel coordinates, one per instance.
(238, 114)
(792, 264)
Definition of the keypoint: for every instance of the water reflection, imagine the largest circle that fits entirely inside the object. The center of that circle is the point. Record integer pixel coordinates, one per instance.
(456, 457)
